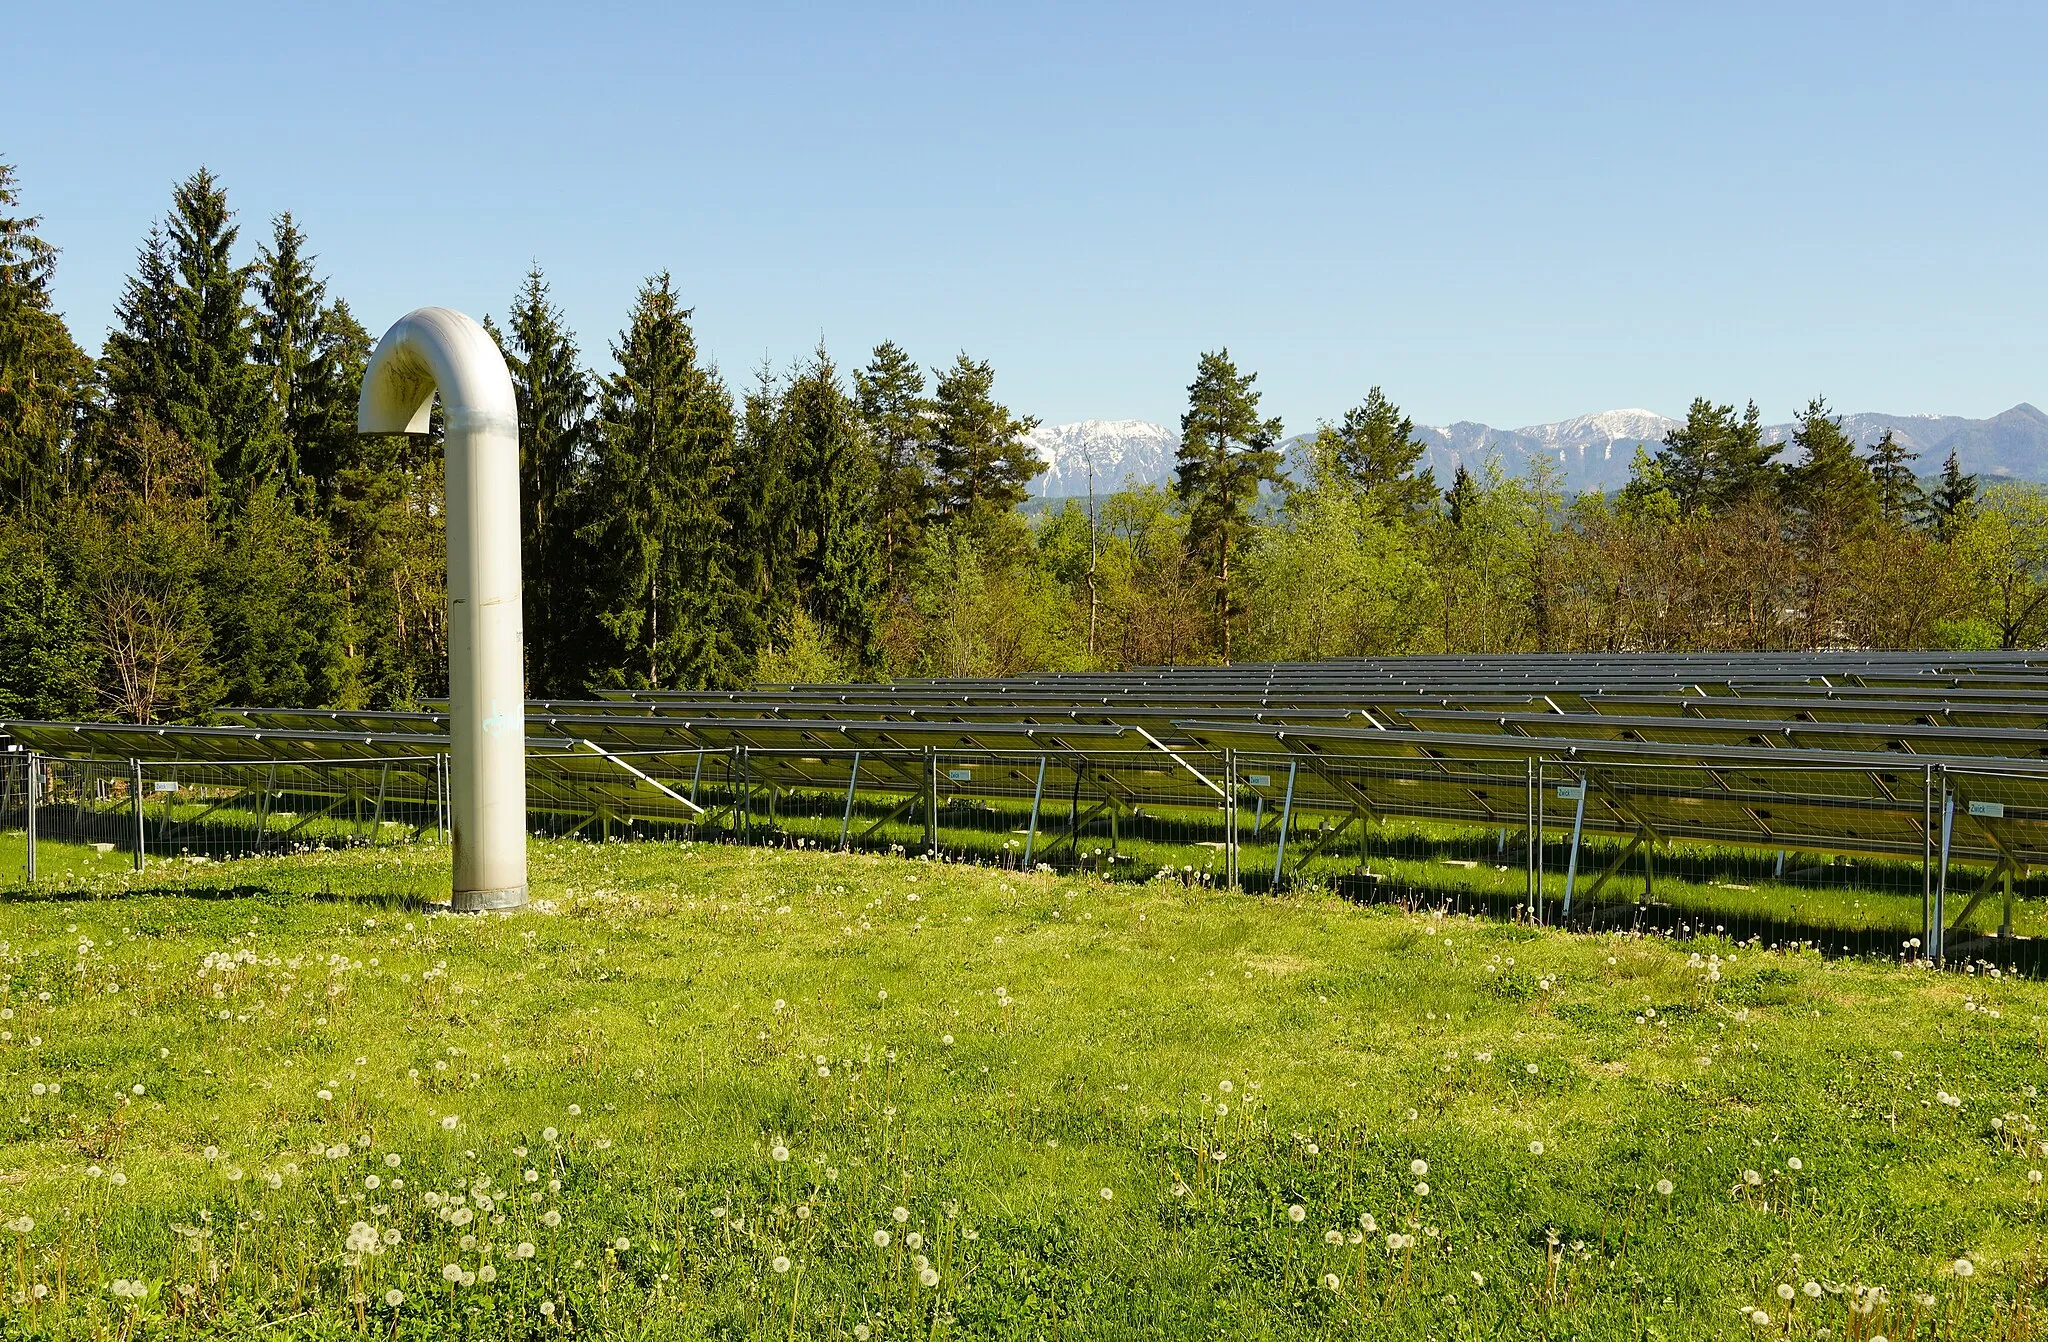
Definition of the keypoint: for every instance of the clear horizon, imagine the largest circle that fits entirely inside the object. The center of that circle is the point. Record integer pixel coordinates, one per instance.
(1498, 216)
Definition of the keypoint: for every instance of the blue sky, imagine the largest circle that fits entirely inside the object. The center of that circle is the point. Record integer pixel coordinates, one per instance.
(1510, 213)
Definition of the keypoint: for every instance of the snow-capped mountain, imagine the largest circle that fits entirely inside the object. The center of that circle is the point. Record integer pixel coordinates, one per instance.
(1594, 451)
(1122, 452)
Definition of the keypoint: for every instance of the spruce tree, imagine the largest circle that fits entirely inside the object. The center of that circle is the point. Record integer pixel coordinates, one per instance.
(665, 591)
(183, 350)
(1899, 496)
(1377, 452)
(1226, 453)
(43, 373)
(897, 415)
(983, 462)
(314, 353)
(760, 512)
(1953, 500)
(554, 397)
(1830, 484)
(834, 477)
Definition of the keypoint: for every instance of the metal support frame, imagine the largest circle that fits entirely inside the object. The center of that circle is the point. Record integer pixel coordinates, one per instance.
(135, 789)
(1937, 930)
(846, 819)
(1230, 820)
(1286, 819)
(931, 805)
(30, 797)
(1571, 871)
(1037, 796)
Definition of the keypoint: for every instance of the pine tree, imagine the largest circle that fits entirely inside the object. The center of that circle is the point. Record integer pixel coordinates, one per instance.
(1954, 498)
(1899, 496)
(1226, 453)
(1716, 459)
(1830, 484)
(554, 396)
(897, 416)
(834, 475)
(760, 512)
(43, 373)
(666, 590)
(983, 462)
(1377, 452)
(182, 352)
(288, 337)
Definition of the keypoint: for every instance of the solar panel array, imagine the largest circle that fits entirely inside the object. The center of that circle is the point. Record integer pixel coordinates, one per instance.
(1829, 752)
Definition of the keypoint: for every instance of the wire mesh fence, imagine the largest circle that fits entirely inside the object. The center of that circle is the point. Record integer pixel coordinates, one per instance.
(1914, 860)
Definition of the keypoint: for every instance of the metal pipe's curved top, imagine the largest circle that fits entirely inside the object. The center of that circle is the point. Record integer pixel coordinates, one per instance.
(436, 349)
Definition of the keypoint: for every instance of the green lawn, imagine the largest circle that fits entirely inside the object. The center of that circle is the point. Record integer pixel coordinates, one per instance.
(732, 1093)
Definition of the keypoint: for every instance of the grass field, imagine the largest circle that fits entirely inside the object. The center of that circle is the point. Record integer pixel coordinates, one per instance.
(731, 1093)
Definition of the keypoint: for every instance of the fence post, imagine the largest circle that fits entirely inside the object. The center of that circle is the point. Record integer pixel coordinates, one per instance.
(1536, 903)
(34, 794)
(931, 801)
(135, 795)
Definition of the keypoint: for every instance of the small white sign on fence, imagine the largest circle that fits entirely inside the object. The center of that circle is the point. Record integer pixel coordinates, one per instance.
(1259, 780)
(1991, 810)
(166, 785)
(1572, 791)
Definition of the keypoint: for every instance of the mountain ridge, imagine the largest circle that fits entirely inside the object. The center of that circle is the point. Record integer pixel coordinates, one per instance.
(1593, 451)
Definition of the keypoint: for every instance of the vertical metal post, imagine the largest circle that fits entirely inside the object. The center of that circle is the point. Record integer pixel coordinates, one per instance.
(696, 774)
(441, 798)
(135, 788)
(1937, 931)
(852, 781)
(1037, 795)
(1536, 905)
(377, 816)
(1230, 828)
(931, 801)
(1529, 832)
(1926, 852)
(1571, 871)
(1286, 818)
(34, 795)
(744, 806)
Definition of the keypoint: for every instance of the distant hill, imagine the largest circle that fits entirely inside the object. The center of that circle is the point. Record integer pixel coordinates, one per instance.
(1594, 450)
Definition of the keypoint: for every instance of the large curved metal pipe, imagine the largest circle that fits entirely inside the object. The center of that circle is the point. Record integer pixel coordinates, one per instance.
(440, 350)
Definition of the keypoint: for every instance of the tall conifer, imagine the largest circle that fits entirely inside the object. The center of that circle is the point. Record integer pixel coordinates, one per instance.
(42, 371)
(554, 396)
(1226, 453)
(898, 417)
(983, 463)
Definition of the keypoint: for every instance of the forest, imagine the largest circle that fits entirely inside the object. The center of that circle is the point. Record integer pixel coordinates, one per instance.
(189, 519)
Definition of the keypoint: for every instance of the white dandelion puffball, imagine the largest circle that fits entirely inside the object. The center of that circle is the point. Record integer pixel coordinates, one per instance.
(780, 1154)
(1478, 1280)
(1332, 1280)
(779, 1263)
(621, 1244)
(1418, 1168)
(1795, 1164)
(1785, 1291)
(860, 1332)
(547, 1307)
(449, 1123)
(1664, 1187)
(1535, 1148)
(525, 1250)
(1297, 1213)
(900, 1215)
(451, 1273)
(575, 1111)
(1422, 1190)
(927, 1277)
(1811, 1290)
(394, 1298)
(881, 1238)
(548, 1134)
(1530, 1069)
(551, 1218)
(1333, 1237)
(1965, 1268)
(1759, 1318)
(913, 1240)
(1107, 1195)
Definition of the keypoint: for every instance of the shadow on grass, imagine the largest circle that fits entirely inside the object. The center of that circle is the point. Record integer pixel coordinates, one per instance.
(392, 901)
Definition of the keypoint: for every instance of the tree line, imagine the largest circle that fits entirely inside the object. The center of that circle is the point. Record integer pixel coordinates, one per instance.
(190, 520)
